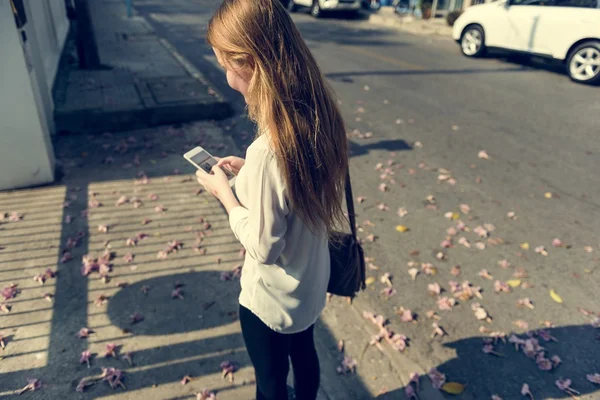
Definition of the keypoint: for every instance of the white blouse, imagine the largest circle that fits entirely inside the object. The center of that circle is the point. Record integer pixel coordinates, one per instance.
(286, 269)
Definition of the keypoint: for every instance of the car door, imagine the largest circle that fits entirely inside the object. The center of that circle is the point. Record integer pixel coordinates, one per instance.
(304, 3)
(525, 18)
(564, 23)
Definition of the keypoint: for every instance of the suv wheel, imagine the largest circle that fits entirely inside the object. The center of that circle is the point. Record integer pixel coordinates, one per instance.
(583, 63)
(315, 10)
(472, 41)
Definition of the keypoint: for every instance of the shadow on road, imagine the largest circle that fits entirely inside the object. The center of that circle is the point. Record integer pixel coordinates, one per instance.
(504, 374)
(387, 145)
(347, 76)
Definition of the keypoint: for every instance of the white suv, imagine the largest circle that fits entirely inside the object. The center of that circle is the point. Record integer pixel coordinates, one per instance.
(318, 7)
(566, 30)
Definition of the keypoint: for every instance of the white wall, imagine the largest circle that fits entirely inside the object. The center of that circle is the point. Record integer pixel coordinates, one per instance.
(51, 26)
(26, 154)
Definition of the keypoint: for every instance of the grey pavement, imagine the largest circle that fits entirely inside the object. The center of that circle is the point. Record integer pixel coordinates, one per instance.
(386, 17)
(142, 82)
(416, 101)
(427, 109)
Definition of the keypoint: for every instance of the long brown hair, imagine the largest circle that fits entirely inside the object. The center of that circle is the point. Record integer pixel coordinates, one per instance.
(289, 98)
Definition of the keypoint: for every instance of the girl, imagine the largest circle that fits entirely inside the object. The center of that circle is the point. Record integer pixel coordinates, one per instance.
(289, 189)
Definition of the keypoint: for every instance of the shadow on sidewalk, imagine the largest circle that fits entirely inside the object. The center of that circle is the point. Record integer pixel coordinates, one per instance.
(177, 337)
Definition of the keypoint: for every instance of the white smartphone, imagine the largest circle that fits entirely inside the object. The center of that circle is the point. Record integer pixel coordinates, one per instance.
(202, 159)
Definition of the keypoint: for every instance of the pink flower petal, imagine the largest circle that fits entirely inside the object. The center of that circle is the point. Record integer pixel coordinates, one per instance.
(594, 378)
(437, 378)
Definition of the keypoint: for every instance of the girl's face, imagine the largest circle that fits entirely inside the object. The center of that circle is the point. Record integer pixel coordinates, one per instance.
(234, 77)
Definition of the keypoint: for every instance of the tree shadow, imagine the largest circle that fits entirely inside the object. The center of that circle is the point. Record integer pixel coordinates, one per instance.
(387, 145)
(206, 300)
(484, 375)
(347, 76)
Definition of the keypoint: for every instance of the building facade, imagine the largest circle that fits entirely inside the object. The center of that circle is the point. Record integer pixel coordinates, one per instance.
(32, 37)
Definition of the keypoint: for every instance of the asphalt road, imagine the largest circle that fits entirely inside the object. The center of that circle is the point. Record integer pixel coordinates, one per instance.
(428, 108)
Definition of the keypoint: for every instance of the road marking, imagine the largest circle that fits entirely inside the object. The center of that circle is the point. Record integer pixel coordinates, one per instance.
(380, 57)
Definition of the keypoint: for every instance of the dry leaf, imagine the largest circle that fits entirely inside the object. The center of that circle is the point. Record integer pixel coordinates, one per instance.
(525, 246)
(483, 155)
(555, 296)
(453, 388)
(401, 228)
(513, 283)
(370, 280)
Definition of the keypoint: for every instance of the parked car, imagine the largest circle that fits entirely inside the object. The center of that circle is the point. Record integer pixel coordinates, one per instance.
(318, 7)
(565, 30)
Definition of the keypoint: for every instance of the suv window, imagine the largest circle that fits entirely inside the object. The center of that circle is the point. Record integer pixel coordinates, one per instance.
(576, 3)
(532, 2)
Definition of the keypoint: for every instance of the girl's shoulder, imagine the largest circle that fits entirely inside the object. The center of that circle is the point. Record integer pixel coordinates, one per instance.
(261, 147)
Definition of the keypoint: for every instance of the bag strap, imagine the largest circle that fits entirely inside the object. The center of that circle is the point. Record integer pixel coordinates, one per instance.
(350, 205)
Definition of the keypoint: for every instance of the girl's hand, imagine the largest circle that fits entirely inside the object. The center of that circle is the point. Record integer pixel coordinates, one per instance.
(216, 183)
(232, 163)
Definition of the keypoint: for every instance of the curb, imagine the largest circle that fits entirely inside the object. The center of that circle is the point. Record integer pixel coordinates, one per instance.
(418, 27)
(153, 101)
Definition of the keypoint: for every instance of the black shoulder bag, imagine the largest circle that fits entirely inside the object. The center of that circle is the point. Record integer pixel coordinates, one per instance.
(347, 256)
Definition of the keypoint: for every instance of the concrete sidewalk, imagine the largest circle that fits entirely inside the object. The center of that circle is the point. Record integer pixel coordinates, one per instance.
(388, 18)
(131, 196)
(145, 82)
(166, 291)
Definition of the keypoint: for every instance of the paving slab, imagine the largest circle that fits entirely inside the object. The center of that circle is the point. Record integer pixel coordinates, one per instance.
(143, 83)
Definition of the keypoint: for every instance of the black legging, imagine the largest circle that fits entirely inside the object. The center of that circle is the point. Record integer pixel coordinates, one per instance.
(270, 353)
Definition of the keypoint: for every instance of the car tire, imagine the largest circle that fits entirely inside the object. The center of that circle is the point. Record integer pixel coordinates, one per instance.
(315, 9)
(583, 63)
(472, 41)
(291, 6)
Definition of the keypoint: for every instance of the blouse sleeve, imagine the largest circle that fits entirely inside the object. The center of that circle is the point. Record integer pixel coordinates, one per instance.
(261, 224)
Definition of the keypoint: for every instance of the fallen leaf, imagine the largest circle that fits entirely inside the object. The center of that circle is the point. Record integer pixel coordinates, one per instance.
(434, 289)
(485, 274)
(594, 378)
(370, 280)
(388, 292)
(526, 392)
(548, 195)
(555, 296)
(437, 330)
(483, 155)
(513, 283)
(437, 378)
(347, 366)
(32, 385)
(401, 228)
(521, 324)
(429, 269)
(541, 250)
(525, 246)
(446, 303)
(500, 287)
(453, 388)
(525, 303)
(413, 272)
